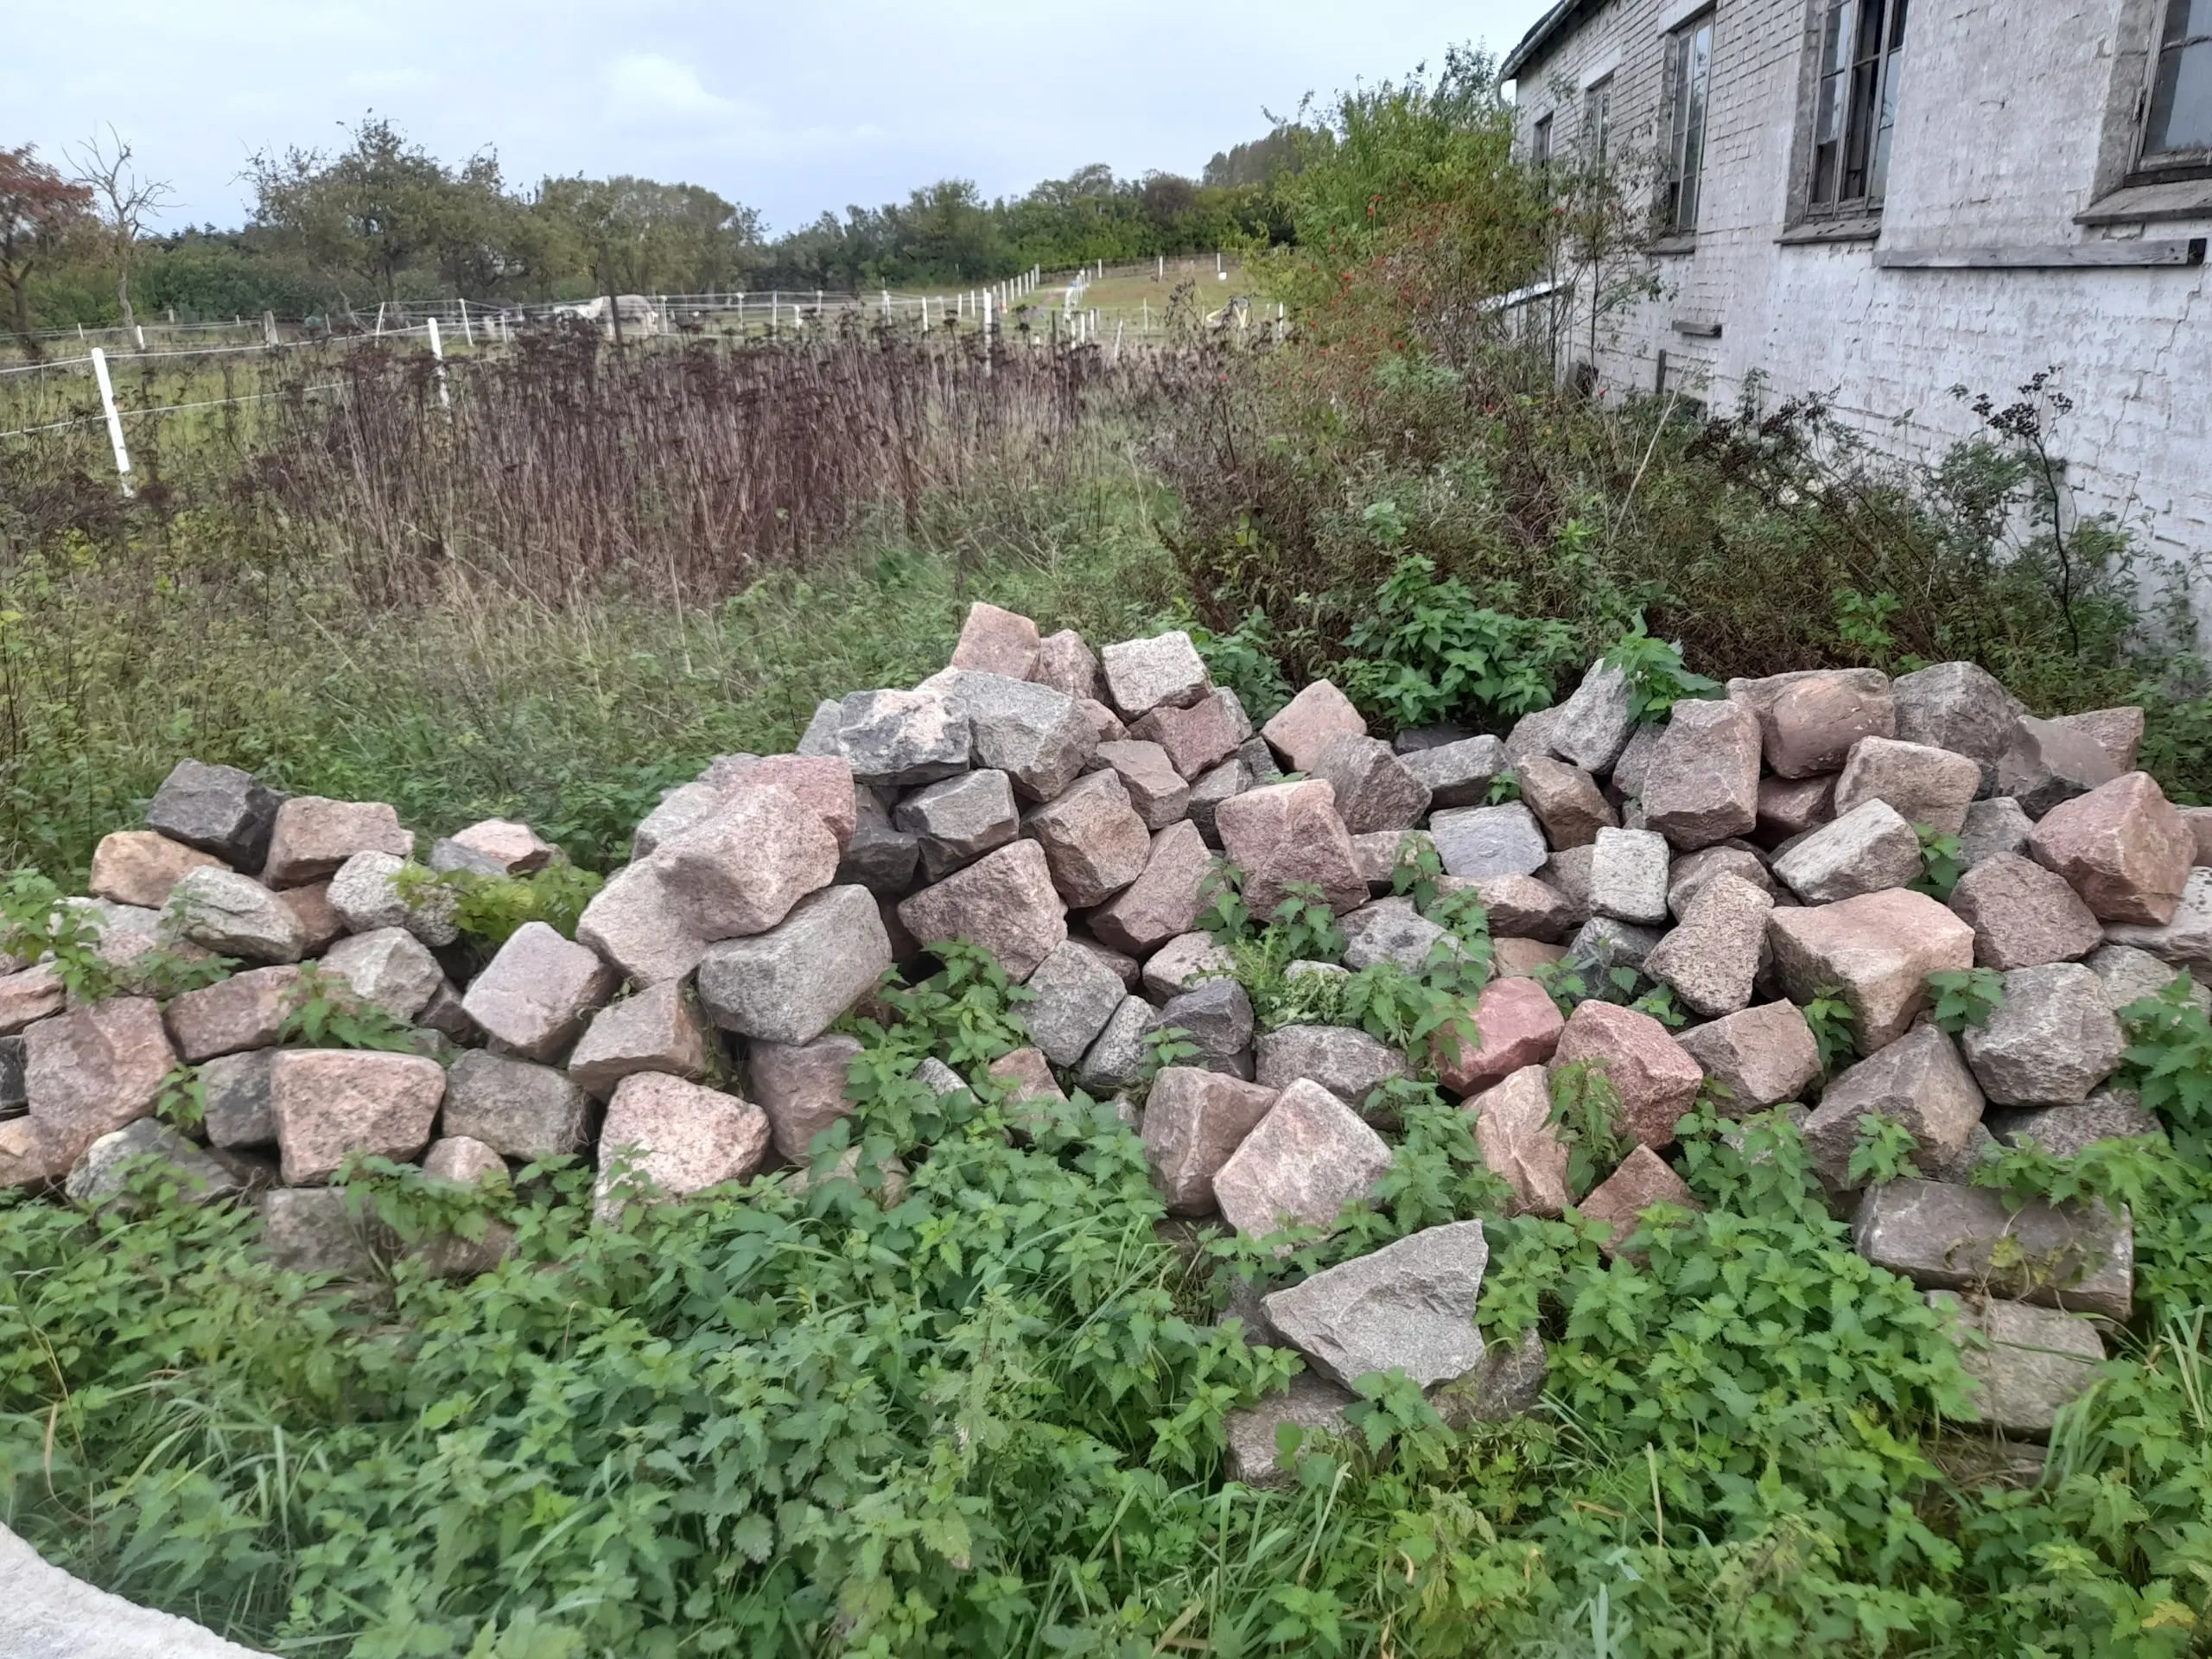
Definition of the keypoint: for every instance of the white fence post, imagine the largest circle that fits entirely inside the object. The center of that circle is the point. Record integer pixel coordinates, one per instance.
(438, 351)
(114, 421)
(987, 331)
(467, 332)
(269, 328)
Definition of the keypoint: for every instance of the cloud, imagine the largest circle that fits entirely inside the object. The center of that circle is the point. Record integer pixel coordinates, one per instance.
(645, 89)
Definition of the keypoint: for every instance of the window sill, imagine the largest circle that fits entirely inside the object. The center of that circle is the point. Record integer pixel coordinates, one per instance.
(1678, 242)
(1866, 228)
(2143, 204)
(2138, 254)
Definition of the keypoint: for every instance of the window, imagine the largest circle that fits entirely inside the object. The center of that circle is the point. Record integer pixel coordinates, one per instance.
(1689, 79)
(1598, 121)
(1540, 143)
(1862, 44)
(2177, 127)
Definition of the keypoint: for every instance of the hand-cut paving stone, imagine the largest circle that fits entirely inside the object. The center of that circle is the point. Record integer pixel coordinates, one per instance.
(676, 1139)
(659, 1029)
(2185, 941)
(330, 1104)
(1712, 959)
(1531, 735)
(1569, 872)
(447, 856)
(802, 1087)
(1628, 876)
(1918, 1082)
(1348, 1063)
(1633, 766)
(389, 970)
(138, 866)
(1519, 1145)
(32, 1154)
(2052, 1039)
(1215, 1016)
(1123, 966)
(1309, 722)
(218, 809)
(1040, 739)
(1643, 1182)
(1194, 1120)
(1924, 784)
(450, 1254)
(2025, 1362)
(1284, 834)
(1239, 721)
(1809, 720)
(1595, 723)
(519, 1108)
(1519, 1027)
(2199, 820)
(1601, 944)
(234, 916)
(880, 856)
(1379, 852)
(2047, 764)
(323, 1229)
(1408, 1306)
(901, 739)
(1508, 1383)
(1866, 850)
(2130, 975)
(1183, 961)
(820, 736)
(1232, 777)
(1458, 774)
(1068, 666)
(536, 993)
(2079, 1257)
(634, 923)
(1164, 900)
(2117, 731)
(2123, 847)
(311, 836)
(1310, 1157)
(1524, 907)
(823, 783)
(444, 1013)
(958, 820)
(1790, 806)
(2022, 915)
(1689, 872)
(1480, 842)
(104, 1172)
(1196, 739)
(1093, 839)
(1704, 780)
(788, 984)
(1655, 1079)
(1142, 675)
(1878, 949)
(992, 641)
(132, 941)
(1314, 1404)
(367, 893)
(741, 869)
(1391, 930)
(1960, 706)
(517, 848)
(1993, 827)
(1155, 789)
(1374, 789)
(245, 1011)
(1005, 902)
(1566, 800)
(678, 810)
(1106, 726)
(1077, 995)
(2068, 1131)
(1760, 1057)
(89, 1072)
(1117, 1059)
(1522, 958)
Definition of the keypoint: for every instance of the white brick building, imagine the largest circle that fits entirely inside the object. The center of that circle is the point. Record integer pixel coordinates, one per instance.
(1880, 203)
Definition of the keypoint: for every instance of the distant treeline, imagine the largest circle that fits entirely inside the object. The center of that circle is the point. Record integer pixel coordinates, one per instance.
(383, 219)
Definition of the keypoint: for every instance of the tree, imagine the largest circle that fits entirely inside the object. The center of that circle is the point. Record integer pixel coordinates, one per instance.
(38, 208)
(644, 237)
(124, 201)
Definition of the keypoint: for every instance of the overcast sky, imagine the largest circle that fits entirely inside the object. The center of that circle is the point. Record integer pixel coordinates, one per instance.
(789, 109)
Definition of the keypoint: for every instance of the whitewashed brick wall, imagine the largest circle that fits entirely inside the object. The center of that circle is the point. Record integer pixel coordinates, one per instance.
(2001, 113)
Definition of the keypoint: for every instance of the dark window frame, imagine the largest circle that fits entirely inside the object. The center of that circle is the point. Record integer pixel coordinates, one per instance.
(1540, 140)
(2168, 42)
(1688, 84)
(1859, 54)
(1596, 120)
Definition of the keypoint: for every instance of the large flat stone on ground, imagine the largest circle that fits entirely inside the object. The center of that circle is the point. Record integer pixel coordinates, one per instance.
(2026, 1363)
(1481, 842)
(1408, 1306)
(1308, 1158)
(1312, 1403)
(2078, 1257)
